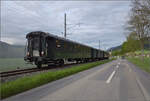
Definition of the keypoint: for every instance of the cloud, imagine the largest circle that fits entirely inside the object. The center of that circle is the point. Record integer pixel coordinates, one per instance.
(100, 20)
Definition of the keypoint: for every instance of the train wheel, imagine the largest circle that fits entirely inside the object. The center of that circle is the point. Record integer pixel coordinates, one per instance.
(39, 65)
(61, 62)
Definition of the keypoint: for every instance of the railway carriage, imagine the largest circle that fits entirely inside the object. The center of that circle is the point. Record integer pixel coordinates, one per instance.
(45, 48)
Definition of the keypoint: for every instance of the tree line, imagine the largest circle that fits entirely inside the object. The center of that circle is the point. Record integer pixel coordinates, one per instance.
(138, 27)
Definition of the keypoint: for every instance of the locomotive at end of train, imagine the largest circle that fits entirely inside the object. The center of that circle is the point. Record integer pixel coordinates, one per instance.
(44, 48)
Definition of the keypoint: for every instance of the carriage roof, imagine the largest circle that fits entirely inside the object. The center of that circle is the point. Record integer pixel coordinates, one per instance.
(40, 33)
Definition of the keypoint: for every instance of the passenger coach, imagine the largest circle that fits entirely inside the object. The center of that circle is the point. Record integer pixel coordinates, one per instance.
(45, 48)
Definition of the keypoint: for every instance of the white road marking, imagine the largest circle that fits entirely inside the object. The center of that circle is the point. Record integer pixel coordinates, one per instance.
(119, 63)
(145, 93)
(117, 66)
(110, 77)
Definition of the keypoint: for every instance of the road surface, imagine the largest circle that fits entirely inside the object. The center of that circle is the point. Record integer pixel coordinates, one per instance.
(118, 80)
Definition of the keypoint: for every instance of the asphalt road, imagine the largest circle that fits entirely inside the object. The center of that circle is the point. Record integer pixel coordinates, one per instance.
(118, 80)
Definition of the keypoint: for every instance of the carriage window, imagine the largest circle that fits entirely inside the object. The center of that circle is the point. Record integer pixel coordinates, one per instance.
(35, 44)
(29, 45)
(58, 44)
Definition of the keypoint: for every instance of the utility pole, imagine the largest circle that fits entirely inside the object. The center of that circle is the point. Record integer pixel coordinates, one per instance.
(99, 44)
(65, 27)
(0, 27)
(0, 36)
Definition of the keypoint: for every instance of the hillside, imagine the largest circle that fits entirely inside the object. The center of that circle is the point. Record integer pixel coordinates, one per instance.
(11, 51)
(115, 48)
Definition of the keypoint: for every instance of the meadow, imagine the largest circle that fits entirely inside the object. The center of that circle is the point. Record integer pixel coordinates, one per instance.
(141, 63)
(144, 52)
(7, 64)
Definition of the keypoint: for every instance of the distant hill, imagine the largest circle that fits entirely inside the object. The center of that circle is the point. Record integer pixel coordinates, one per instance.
(115, 48)
(146, 45)
(11, 51)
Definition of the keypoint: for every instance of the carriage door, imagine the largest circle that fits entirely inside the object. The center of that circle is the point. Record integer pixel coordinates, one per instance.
(92, 53)
(50, 47)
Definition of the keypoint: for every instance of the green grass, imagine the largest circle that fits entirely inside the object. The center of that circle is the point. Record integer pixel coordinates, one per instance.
(26, 83)
(145, 52)
(7, 64)
(143, 64)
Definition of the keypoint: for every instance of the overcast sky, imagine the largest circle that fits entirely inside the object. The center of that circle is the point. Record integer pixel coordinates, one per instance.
(99, 20)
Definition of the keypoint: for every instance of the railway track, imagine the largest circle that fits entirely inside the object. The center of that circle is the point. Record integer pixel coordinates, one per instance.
(25, 71)
(31, 70)
(18, 72)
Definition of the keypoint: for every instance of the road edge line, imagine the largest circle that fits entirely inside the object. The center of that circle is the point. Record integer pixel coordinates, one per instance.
(145, 93)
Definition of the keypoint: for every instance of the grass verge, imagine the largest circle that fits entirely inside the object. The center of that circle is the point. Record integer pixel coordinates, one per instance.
(143, 64)
(23, 84)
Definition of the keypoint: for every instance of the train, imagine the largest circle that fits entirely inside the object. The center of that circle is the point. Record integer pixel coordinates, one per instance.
(43, 48)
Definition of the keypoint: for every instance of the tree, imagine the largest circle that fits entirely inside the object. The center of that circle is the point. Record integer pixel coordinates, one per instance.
(130, 46)
(139, 23)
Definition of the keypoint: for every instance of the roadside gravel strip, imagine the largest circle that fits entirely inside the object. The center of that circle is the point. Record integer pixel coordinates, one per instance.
(26, 83)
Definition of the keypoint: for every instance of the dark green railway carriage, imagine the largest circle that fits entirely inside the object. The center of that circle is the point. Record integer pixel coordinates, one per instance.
(60, 48)
(45, 48)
